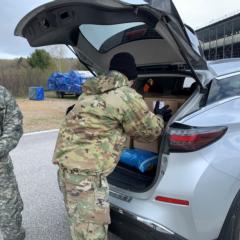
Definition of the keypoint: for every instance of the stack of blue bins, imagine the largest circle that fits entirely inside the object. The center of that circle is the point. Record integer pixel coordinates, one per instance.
(70, 82)
(36, 93)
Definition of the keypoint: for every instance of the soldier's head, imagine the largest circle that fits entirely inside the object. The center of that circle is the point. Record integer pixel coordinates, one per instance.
(124, 63)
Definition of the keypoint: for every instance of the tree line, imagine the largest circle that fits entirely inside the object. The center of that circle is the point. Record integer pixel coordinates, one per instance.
(19, 74)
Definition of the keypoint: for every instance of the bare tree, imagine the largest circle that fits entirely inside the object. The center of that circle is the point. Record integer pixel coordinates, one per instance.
(58, 52)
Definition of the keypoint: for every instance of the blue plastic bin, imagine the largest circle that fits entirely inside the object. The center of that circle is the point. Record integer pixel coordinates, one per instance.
(36, 93)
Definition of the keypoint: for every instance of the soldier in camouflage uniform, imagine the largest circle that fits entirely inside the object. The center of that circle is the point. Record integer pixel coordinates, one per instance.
(11, 203)
(91, 140)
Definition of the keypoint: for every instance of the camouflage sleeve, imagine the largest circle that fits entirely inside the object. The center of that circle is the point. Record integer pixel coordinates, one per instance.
(139, 122)
(11, 126)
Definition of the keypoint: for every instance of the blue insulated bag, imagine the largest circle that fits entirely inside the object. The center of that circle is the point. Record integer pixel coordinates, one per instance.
(139, 159)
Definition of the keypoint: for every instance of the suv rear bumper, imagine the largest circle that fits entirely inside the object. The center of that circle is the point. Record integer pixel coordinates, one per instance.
(128, 226)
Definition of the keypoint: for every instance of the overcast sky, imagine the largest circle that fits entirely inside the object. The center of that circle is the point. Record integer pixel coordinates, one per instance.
(195, 13)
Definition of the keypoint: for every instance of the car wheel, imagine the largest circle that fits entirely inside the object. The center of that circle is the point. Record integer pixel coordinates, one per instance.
(60, 94)
(231, 230)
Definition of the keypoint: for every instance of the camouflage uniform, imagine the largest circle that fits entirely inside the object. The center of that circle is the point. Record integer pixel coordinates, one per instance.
(11, 203)
(90, 141)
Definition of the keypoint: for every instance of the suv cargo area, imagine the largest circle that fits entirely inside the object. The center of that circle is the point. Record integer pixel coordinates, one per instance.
(153, 33)
(172, 91)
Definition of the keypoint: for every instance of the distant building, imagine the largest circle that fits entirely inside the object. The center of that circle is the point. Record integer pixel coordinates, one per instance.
(221, 39)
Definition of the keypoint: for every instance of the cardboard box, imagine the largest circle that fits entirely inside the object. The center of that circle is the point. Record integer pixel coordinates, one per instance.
(151, 100)
(152, 147)
(129, 142)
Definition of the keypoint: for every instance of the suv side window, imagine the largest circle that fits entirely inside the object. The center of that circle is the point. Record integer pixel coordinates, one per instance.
(188, 83)
(224, 88)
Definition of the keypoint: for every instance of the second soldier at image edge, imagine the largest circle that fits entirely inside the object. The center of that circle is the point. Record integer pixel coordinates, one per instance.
(11, 204)
(91, 140)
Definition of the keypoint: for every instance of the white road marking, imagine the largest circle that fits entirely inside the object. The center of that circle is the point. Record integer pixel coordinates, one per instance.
(40, 132)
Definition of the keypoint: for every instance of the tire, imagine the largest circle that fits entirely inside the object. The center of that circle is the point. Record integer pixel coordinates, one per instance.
(236, 223)
(231, 228)
(62, 94)
(58, 94)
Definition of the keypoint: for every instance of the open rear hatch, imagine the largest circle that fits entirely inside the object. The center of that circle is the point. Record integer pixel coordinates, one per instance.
(96, 30)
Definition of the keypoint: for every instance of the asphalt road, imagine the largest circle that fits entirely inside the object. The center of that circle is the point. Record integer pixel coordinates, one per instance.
(44, 213)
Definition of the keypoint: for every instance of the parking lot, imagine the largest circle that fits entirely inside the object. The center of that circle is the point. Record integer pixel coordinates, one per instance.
(44, 213)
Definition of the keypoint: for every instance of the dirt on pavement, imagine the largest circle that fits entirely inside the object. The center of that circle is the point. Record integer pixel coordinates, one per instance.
(43, 115)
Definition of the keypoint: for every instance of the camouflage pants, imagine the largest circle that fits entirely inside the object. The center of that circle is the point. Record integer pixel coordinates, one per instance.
(11, 204)
(86, 201)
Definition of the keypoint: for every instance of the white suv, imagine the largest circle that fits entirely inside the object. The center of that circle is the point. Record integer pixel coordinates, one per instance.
(193, 193)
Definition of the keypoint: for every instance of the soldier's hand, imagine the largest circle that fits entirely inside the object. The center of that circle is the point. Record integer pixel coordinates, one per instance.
(165, 112)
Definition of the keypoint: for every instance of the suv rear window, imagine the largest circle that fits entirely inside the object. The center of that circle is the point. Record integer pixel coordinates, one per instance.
(224, 88)
(105, 37)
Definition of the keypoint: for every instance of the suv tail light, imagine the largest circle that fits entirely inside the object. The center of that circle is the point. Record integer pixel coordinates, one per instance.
(184, 138)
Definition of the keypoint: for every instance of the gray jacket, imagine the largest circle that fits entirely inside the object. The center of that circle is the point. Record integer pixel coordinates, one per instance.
(10, 123)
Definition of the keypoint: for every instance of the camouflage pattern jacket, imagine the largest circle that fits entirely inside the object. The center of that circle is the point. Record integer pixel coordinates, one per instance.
(94, 132)
(10, 123)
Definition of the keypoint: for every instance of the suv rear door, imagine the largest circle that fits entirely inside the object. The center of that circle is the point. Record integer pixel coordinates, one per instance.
(153, 32)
